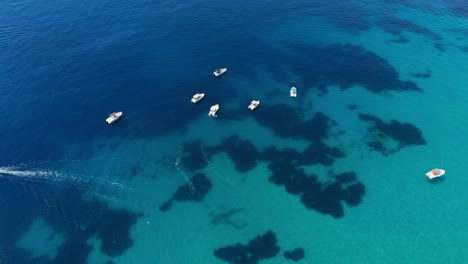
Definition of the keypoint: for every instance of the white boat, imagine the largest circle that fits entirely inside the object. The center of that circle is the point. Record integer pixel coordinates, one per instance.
(213, 110)
(113, 117)
(197, 97)
(254, 104)
(218, 72)
(293, 92)
(435, 173)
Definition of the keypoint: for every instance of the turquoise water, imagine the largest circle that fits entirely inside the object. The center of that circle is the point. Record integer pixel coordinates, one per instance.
(74, 190)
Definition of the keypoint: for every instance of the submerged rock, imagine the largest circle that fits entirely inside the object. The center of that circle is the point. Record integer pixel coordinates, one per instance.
(294, 255)
(194, 190)
(261, 247)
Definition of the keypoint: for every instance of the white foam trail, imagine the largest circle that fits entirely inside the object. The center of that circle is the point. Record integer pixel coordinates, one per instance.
(61, 177)
(27, 173)
(103, 158)
(113, 183)
(104, 197)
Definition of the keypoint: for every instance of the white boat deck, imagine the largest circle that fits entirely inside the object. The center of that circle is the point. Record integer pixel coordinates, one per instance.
(435, 173)
(197, 97)
(113, 117)
(293, 92)
(254, 104)
(218, 72)
(213, 110)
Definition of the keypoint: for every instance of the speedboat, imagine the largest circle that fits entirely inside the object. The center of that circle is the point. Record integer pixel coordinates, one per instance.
(218, 72)
(435, 173)
(293, 92)
(197, 97)
(254, 104)
(213, 110)
(113, 117)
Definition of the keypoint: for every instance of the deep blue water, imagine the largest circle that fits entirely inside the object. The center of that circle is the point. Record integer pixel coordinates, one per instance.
(66, 65)
(74, 60)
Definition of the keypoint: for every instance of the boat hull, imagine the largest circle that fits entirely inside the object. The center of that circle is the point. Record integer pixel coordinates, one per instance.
(113, 117)
(195, 99)
(431, 175)
(219, 72)
(254, 104)
(293, 92)
(213, 110)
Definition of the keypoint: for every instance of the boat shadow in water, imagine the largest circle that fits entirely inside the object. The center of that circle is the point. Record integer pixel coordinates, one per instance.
(437, 180)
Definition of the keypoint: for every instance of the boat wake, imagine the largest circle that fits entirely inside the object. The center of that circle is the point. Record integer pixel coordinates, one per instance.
(14, 171)
(60, 178)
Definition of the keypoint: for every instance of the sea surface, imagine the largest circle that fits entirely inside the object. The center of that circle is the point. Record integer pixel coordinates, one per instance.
(337, 173)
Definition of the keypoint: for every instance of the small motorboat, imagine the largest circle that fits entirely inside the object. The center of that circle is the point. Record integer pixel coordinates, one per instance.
(254, 104)
(197, 97)
(293, 92)
(113, 117)
(435, 173)
(218, 72)
(213, 110)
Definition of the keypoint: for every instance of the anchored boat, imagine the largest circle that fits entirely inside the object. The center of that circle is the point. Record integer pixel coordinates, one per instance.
(113, 117)
(254, 104)
(218, 72)
(197, 97)
(213, 110)
(293, 92)
(435, 173)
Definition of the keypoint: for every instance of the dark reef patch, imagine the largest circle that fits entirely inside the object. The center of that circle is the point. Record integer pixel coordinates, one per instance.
(320, 153)
(73, 251)
(462, 31)
(192, 157)
(322, 197)
(457, 7)
(427, 74)
(67, 212)
(107, 232)
(316, 153)
(326, 66)
(294, 255)
(396, 26)
(403, 133)
(352, 107)
(259, 248)
(353, 193)
(285, 122)
(194, 190)
(242, 152)
(346, 177)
